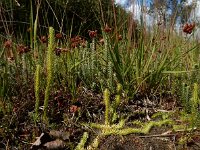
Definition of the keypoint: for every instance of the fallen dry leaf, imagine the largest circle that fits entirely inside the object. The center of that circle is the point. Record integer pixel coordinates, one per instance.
(59, 134)
(56, 144)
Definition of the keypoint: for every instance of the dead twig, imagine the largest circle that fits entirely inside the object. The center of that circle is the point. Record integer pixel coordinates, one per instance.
(157, 135)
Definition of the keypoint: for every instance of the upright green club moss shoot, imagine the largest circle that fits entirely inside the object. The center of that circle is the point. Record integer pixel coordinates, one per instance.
(49, 62)
(107, 106)
(37, 88)
(82, 142)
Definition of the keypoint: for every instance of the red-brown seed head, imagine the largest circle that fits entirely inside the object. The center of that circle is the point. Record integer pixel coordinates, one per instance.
(58, 51)
(74, 108)
(59, 36)
(92, 34)
(8, 44)
(188, 28)
(107, 29)
(43, 39)
(83, 43)
(22, 49)
(120, 37)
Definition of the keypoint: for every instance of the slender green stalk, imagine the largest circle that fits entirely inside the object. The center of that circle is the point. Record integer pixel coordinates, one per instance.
(35, 30)
(31, 25)
(49, 69)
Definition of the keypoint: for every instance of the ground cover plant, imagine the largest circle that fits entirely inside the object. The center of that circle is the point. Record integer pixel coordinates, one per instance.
(96, 78)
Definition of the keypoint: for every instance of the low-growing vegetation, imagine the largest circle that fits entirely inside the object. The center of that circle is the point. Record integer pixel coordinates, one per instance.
(103, 82)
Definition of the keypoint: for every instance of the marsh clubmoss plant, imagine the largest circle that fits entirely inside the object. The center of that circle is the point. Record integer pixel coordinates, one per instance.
(116, 102)
(195, 99)
(109, 128)
(109, 69)
(49, 62)
(190, 114)
(118, 96)
(194, 104)
(185, 97)
(92, 59)
(107, 106)
(37, 89)
(94, 145)
(82, 142)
